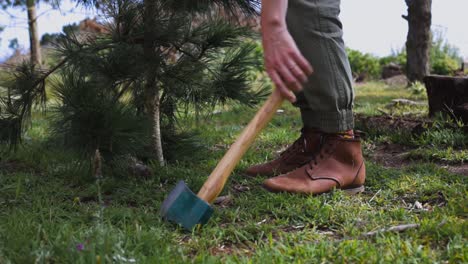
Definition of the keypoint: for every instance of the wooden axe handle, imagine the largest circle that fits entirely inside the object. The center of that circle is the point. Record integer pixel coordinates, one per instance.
(216, 181)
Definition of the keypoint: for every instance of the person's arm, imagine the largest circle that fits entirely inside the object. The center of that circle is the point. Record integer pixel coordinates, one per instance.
(284, 63)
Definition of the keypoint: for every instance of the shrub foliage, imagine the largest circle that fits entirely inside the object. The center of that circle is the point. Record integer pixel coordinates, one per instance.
(445, 59)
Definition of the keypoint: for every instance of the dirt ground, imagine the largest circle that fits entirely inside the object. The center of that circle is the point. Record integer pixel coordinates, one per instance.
(395, 156)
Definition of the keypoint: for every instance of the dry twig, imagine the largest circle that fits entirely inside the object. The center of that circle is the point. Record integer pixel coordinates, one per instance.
(398, 228)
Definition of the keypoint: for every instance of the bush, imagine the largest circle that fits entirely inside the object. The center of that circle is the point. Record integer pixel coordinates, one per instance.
(444, 66)
(398, 57)
(417, 88)
(445, 58)
(370, 66)
(364, 65)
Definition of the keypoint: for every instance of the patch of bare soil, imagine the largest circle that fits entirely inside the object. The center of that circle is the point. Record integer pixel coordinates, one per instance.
(391, 155)
(396, 156)
(461, 169)
(392, 123)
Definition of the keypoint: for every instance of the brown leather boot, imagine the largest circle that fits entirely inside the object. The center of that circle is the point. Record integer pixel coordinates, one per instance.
(299, 153)
(338, 165)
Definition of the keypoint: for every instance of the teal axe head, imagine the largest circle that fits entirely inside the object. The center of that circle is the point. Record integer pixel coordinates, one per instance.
(185, 208)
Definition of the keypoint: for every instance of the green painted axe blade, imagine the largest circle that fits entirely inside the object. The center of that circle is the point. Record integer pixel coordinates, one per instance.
(185, 208)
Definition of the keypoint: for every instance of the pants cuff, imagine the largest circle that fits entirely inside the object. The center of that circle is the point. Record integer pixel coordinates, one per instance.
(328, 122)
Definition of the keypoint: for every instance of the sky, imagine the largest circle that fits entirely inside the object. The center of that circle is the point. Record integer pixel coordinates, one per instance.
(376, 26)
(371, 26)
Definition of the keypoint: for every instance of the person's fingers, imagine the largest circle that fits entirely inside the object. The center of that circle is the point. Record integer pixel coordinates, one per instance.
(288, 94)
(296, 71)
(281, 86)
(291, 81)
(302, 62)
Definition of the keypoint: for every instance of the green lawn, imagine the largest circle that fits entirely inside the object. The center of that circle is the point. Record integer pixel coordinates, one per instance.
(49, 210)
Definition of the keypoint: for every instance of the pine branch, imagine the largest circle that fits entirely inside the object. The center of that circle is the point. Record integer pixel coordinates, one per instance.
(24, 91)
(52, 70)
(123, 91)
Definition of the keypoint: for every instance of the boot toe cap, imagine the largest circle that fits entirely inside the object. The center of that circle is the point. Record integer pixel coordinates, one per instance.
(277, 184)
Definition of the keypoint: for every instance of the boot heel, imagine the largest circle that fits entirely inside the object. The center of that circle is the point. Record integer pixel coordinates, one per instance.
(354, 191)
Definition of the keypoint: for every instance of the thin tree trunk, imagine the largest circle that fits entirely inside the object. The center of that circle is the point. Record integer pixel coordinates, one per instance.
(419, 39)
(152, 106)
(36, 56)
(152, 92)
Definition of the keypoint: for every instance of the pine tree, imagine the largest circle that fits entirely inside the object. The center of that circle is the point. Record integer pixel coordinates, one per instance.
(122, 90)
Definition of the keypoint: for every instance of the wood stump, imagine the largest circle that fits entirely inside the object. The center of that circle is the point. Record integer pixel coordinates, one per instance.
(448, 94)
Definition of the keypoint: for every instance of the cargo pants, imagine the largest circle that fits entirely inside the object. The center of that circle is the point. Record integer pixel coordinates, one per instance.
(326, 101)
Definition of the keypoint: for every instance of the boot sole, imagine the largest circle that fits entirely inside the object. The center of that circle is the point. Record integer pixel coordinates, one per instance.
(354, 191)
(351, 191)
(258, 175)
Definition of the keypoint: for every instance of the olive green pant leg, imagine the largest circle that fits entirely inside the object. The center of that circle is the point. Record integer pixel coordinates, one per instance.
(327, 99)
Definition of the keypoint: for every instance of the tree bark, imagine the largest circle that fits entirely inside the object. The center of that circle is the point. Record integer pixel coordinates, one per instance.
(152, 93)
(36, 56)
(419, 38)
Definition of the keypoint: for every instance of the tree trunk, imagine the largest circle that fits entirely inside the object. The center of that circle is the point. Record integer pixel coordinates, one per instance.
(419, 38)
(154, 111)
(152, 93)
(36, 56)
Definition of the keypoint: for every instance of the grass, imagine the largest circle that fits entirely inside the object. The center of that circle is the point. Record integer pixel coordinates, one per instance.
(374, 97)
(50, 211)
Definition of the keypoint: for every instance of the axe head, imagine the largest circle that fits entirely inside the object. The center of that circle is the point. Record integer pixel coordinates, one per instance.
(185, 208)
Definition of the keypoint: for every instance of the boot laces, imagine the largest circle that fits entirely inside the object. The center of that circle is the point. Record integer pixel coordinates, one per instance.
(326, 147)
(299, 144)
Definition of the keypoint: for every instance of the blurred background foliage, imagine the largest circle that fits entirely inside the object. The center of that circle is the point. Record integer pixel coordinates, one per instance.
(445, 59)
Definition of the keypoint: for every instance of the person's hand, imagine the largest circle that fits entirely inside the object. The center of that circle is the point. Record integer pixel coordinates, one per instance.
(284, 63)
